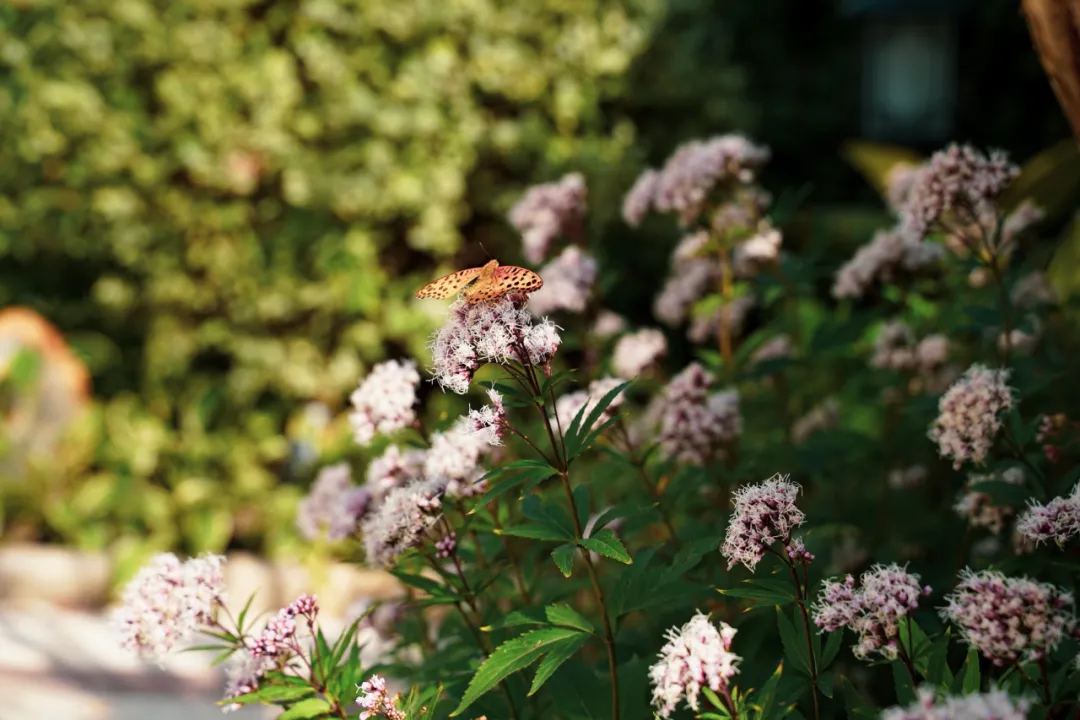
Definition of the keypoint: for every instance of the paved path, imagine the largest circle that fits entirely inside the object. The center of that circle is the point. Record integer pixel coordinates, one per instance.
(66, 665)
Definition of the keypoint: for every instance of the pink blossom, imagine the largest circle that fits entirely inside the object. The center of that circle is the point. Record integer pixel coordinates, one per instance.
(696, 656)
(169, 601)
(402, 521)
(891, 255)
(757, 251)
(488, 424)
(608, 324)
(546, 212)
(969, 415)
(568, 283)
(376, 702)
(384, 401)
(569, 405)
(278, 640)
(1008, 619)
(636, 352)
(393, 469)
(993, 705)
(639, 200)
(696, 168)
(694, 425)
(765, 513)
(1057, 520)
(334, 505)
(979, 508)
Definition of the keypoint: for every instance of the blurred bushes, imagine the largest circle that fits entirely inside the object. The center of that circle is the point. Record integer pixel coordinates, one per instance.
(225, 205)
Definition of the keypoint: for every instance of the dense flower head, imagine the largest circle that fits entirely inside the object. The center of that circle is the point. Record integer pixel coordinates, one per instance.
(1057, 520)
(548, 211)
(969, 415)
(393, 469)
(890, 255)
(898, 184)
(168, 601)
(639, 199)
(1009, 619)
(696, 168)
(759, 250)
(886, 594)
(403, 520)
(569, 405)
(384, 401)
(993, 705)
(334, 505)
(979, 509)
(957, 179)
(445, 547)
(765, 513)
(696, 656)
(500, 332)
(243, 674)
(894, 347)
(488, 424)
(636, 352)
(608, 324)
(455, 453)
(694, 425)
(376, 701)
(568, 283)
(278, 640)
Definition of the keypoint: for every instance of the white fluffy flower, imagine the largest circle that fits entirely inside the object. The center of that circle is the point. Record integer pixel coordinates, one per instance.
(969, 415)
(637, 351)
(697, 655)
(384, 401)
(402, 521)
(993, 705)
(568, 282)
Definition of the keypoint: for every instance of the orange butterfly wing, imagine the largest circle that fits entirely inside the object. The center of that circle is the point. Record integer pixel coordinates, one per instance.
(506, 279)
(448, 285)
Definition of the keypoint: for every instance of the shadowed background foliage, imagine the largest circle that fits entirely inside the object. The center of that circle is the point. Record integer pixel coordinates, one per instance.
(225, 205)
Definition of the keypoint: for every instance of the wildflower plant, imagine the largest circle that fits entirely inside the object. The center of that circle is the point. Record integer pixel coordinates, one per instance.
(834, 496)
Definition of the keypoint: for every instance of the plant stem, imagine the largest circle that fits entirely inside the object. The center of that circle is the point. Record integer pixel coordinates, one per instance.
(519, 576)
(609, 636)
(1045, 682)
(800, 593)
(725, 311)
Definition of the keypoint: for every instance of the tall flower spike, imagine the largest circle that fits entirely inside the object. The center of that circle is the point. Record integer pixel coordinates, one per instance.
(168, 602)
(384, 401)
(969, 415)
(765, 513)
(1009, 619)
(697, 655)
(498, 332)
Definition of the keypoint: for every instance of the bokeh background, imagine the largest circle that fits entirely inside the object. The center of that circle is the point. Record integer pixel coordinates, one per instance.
(222, 208)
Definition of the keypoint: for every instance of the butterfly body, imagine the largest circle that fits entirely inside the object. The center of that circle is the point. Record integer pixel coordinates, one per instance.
(485, 283)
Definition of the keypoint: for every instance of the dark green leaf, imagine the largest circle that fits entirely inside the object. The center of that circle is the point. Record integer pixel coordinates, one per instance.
(832, 648)
(559, 654)
(563, 614)
(564, 558)
(309, 709)
(970, 673)
(509, 658)
(794, 643)
(606, 543)
(905, 690)
(537, 532)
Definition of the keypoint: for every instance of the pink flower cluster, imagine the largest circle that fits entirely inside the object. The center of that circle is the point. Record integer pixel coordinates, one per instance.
(497, 332)
(891, 255)
(1008, 619)
(993, 705)
(546, 212)
(393, 469)
(956, 180)
(1057, 520)
(895, 349)
(384, 401)
(886, 594)
(636, 352)
(278, 640)
(765, 513)
(690, 175)
(696, 656)
(568, 283)
(402, 521)
(694, 425)
(334, 505)
(488, 424)
(969, 415)
(169, 601)
(243, 673)
(376, 701)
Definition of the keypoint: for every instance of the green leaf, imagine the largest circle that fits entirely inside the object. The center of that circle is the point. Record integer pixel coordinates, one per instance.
(581, 427)
(549, 515)
(563, 614)
(764, 701)
(970, 673)
(825, 684)
(767, 590)
(527, 473)
(794, 644)
(905, 690)
(937, 669)
(582, 504)
(559, 654)
(536, 532)
(856, 705)
(509, 658)
(832, 648)
(606, 543)
(243, 613)
(564, 558)
(309, 709)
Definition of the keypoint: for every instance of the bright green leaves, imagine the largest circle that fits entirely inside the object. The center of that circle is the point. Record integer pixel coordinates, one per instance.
(552, 645)
(523, 475)
(564, 558)
(606, 543)
(549, 522)
(763, 591)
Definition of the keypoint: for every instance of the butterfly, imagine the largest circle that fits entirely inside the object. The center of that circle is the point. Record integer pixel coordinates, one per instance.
(484, 283)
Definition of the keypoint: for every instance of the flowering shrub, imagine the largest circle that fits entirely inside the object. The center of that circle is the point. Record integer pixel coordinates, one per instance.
(607, 535)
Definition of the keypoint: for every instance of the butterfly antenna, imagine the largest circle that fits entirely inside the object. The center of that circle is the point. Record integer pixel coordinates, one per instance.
(485, 250)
